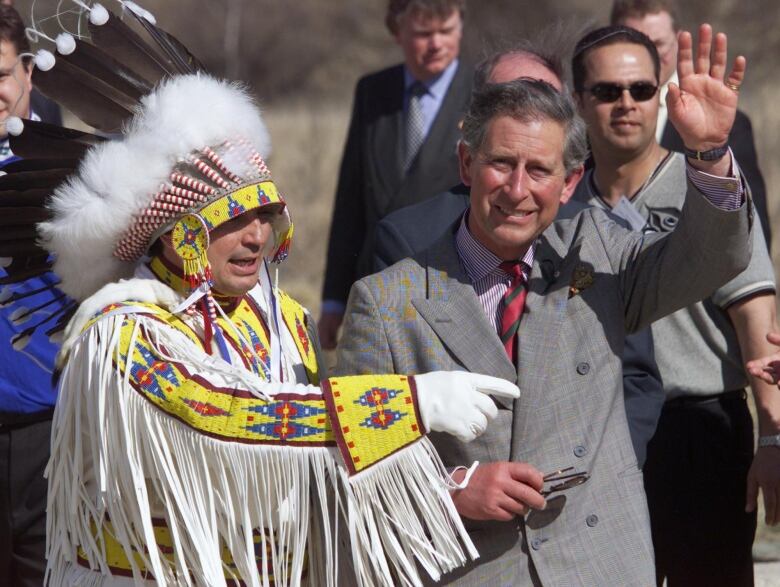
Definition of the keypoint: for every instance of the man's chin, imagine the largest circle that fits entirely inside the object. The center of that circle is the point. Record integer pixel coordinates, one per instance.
(234, 289)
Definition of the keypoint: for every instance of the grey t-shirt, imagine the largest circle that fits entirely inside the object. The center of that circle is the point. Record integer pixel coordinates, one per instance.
(696, 348)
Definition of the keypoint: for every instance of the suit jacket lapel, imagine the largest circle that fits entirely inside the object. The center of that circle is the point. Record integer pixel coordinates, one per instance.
(452, 310)
(545, 310)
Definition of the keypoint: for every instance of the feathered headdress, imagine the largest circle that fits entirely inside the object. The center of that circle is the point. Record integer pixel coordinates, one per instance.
(190, 157)
(192, 154)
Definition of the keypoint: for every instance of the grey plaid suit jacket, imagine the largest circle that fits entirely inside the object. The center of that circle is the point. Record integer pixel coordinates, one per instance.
(422, 314)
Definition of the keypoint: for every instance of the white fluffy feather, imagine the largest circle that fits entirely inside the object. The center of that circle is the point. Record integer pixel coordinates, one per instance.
(118, 179)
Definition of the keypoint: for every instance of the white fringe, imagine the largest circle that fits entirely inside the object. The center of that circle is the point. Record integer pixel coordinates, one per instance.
(400, 510)
(117, 456)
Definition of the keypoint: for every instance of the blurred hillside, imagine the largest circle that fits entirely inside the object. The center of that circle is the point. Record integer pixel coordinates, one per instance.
(302, 59)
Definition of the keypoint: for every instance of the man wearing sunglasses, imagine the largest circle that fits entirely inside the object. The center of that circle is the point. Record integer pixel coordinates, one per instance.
(696, 475)
(659, 19)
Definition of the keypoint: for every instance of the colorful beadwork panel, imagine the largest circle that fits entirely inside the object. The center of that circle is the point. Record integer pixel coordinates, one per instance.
(373, 416)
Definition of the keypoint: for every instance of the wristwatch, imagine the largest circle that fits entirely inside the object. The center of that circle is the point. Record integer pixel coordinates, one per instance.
(773, 440)
(711, 155)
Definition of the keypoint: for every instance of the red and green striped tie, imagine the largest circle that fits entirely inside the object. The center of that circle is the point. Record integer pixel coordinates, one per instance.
(512, 307)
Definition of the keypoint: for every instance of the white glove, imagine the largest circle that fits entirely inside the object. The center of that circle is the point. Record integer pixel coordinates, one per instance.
(455, 402)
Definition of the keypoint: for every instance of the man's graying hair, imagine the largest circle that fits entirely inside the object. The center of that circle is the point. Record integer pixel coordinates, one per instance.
(526, 100)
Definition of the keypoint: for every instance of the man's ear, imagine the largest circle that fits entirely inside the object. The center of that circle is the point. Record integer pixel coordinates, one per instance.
(28, 69)
(464, 163)
(571, 182)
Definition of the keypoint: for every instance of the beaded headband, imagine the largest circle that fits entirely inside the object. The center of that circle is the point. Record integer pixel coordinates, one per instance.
(218, 191)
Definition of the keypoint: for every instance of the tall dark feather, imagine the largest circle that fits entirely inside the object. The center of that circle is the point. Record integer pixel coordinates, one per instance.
(13, 198)
(126, 46)
(20, 248)
(34, 174)
(49, 141)
(23, 215)
(101, 65)
(18, 233)
(90, 98)
(177, 54)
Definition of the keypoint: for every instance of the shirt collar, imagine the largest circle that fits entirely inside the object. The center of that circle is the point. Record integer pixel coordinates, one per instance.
(477, 259)
(436, 86)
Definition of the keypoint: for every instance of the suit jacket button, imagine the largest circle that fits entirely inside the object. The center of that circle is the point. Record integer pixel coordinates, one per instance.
(592, 520)
(583, 368)
(536, 543)
(580, 451)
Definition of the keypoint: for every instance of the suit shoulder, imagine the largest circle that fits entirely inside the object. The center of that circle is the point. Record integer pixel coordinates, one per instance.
(583, 219)
(399, 277)
(380, 79)
(403, 268)
(446, 204)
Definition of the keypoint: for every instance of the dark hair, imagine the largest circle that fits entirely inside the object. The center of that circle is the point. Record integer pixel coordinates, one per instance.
(525, 99)
(623, 9)
(397, 9)
(12, 31)
(609, 35)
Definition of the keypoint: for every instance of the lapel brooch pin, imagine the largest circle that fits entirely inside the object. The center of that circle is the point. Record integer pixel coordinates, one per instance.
(581, 279)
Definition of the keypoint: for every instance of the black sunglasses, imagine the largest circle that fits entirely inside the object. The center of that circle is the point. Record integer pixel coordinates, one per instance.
(609, 92)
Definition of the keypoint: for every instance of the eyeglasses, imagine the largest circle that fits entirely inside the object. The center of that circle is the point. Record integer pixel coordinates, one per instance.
(562, 480)
(609, 92)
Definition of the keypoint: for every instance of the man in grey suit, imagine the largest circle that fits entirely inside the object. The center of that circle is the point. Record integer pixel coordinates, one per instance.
(413, 229)
(585, 282)
(401, 144)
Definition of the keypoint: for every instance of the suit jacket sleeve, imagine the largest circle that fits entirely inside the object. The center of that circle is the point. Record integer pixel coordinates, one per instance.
(713, 246)
(347, 230)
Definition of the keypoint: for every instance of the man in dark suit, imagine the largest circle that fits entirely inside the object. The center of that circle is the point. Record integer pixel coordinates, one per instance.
(401, 145)
(658, 20)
